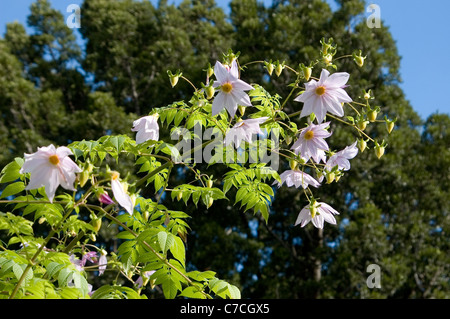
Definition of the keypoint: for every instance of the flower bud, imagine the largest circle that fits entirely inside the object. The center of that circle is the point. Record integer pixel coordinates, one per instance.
(209, 90)
(105, 199)
(327, 59)
(270, 67)
(379, 151)
(174, 77)
(307, 73)
(362, 145)
(180, 195)
(209, 183)
(279, 69)
(372, 115)
(209, 71)
(96, 224)
(146, 215)
(390, 124)
(358, 58)
(362, 124)
(83, 178)
(210, 202)
(330, 177)
(93, 237)
(293, 164)
(42, 220)
(241, 109)
(313, 209)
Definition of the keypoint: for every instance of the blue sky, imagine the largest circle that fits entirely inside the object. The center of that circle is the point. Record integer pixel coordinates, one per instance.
(420, 28)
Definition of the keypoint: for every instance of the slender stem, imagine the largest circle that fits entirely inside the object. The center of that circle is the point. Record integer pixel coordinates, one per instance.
(352, 125)
(187, 80)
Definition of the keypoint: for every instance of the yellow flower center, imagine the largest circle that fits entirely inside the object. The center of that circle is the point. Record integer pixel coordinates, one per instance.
(115, 175)
(320, 90)
(309, 135)
(227, 87)
(54, 159)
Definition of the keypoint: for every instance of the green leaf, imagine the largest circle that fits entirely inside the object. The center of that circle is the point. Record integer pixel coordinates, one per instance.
(178, 250)
(165, 240)
(192, 292)
(13, 189)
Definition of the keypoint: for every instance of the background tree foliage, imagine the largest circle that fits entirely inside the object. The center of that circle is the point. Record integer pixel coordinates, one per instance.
(394, 211)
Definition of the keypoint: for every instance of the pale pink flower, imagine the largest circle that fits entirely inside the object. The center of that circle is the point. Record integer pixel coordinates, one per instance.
(102, 262)
(311, 142)
(140, 280)
(318, 213)
(51, 167)
(231, 89)
(105, 199)
(325, 95)
(297, 179)
(243, 131)
(341, 158)
(147, 128)
(120, 194)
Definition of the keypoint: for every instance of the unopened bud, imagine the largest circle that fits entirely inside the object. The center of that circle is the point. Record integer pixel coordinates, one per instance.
(362, 145)
(358, 58)
(361, 124)
(96, 224)
(372, 115)
(146, 215)
(209, 90)
(269, 68)
(293, 164)
(390, 125)
(307, 73)
(83, 178)
(379, 151)
(209, 71)
(330, 177)
(327, 59)
(279, 69)
(313, 209)
(174, 77)
(241, 109)
(209, 183)
(41, 220)
(210, 202)
(180, 195)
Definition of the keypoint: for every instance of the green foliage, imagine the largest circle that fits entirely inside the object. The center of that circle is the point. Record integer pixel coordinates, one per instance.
(393, 211)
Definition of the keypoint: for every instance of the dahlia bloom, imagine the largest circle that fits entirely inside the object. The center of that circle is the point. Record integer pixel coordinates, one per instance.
(232, 89)
(325, 95)
(147, 128)
(311, 142)
(297, 179)
(341, 158)
(244, 130)
(120, 194)
(317, 213)
(50, 167)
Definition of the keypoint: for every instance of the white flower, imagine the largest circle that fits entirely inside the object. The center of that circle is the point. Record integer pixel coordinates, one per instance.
(147, 128)
(244, 130)
(120, 194)
(231, 89)
(102, 262)
(311, 142)
(50, 167)
(297, 179)
(316, 213)
(325, 95)
(341, 158)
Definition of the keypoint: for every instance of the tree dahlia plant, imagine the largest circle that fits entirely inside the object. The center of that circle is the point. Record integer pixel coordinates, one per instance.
(98, 186)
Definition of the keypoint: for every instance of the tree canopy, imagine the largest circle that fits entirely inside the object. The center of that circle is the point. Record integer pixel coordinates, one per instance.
(394, 210)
